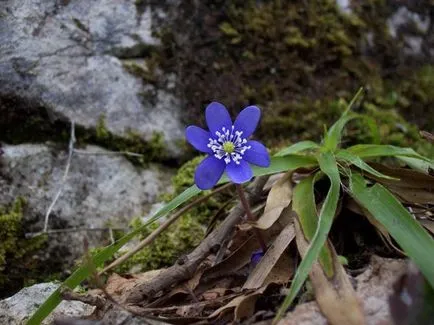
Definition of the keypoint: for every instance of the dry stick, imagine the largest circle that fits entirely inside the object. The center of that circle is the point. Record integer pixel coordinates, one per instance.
(74, 229)
(109, 153)
(250, 216)
(65, 175)
(148, 240)
(181, 272)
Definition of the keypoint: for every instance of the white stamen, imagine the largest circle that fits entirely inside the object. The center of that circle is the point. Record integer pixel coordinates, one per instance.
(235, 137)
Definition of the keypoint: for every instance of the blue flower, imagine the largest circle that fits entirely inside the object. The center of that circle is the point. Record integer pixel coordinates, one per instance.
(227, 146)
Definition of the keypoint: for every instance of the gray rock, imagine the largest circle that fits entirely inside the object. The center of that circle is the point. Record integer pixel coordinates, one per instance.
(17, 309)
(410, 27)
(67, 56)
(101, 188)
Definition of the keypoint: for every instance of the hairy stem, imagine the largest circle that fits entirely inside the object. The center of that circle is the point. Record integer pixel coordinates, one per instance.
(250, 215)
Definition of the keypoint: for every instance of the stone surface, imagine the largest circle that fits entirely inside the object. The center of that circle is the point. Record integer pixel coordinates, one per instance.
(101, 188)
(66, 56)
(17, 309)
(374, 286)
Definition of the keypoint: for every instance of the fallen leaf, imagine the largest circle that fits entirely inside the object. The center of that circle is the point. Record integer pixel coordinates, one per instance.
(262, 270)
(278, 199)
(428, 224)
(408, 178)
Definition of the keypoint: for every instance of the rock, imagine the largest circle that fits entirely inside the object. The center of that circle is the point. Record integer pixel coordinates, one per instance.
(66, 56)
(374, 286)
(17, 309)
(412, 28)
(101, 189)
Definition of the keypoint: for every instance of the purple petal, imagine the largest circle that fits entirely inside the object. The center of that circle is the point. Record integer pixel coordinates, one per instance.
(208, 172)
(257, 154)
(256, 257)
(239, 173)
(217, 117)
(247, 120)
(198, 138)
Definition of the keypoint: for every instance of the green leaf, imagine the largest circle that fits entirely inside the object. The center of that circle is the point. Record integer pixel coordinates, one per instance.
(305, 207)
(334, 134)
(357, 161)
(407, 232)
(376, 150)
(277, 165)
(297, 147)
(328, 165)
(417, 164)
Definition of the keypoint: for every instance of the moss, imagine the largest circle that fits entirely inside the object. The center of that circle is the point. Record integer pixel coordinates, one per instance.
(152, 150)
(19, 125)
(17, 264)
(295, 61)
(177, 240)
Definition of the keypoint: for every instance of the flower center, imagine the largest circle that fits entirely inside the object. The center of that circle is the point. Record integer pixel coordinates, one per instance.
(228, 145)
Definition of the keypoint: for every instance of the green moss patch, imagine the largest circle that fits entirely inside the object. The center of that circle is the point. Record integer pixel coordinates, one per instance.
(295, 60)
(18, 267)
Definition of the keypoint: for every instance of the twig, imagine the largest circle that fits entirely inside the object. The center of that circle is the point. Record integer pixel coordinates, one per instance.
(108, 153)
(66, 230)
(250, 216)
(65, 175)
(428, 136)
(148, 240)
(178, 272)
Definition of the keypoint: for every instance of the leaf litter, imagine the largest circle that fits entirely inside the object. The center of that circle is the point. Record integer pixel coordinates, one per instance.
(206, 290)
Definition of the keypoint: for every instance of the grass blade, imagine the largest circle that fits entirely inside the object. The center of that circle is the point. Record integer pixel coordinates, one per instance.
(297, 147)
(305, 207)
(376, 150)
(407, 232)
(277, 165)
(417, 164)
(334, 134)
(328, 165)
(357, 161)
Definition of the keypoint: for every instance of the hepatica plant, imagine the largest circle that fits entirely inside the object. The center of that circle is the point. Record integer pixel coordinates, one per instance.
(229, 149)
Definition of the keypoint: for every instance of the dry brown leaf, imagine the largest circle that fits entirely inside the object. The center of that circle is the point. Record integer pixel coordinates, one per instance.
(262, 270)
(336, 296)
(412, 195)
(235, 261)
(428, 224)
(117, 285)
(278, 199)
(213, 294)
(408, 178)
(243, 306)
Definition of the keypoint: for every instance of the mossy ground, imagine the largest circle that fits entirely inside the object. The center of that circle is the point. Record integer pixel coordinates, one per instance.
(295, 61)
(185, 234)
(16, 251)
